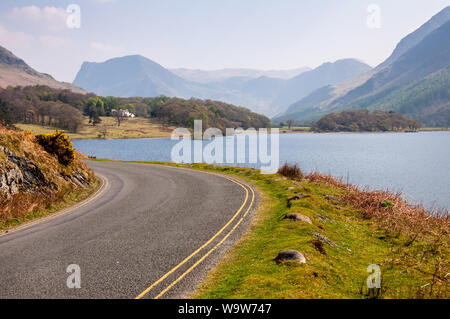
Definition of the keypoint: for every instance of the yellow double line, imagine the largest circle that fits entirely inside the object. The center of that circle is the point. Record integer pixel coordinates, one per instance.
(142, 294)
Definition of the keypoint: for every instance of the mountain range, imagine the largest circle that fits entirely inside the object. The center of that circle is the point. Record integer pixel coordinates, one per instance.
(205, 76)
(414, 81)
(266, 92)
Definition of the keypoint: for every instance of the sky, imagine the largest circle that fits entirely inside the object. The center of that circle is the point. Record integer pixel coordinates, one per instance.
(208, 34)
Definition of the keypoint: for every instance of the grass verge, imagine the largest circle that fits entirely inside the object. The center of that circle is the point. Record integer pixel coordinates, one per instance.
(358, 237)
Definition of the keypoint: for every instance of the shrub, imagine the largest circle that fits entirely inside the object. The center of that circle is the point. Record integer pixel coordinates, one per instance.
(386, 203)
(291, 171)
(58, 144)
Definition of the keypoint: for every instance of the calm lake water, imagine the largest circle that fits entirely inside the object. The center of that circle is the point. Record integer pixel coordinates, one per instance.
(417, 164)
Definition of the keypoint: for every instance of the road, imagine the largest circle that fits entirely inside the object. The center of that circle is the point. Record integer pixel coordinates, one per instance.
(151, 232)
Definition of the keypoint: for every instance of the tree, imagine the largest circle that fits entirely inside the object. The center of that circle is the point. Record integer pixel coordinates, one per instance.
(289, 123)
(94, 107)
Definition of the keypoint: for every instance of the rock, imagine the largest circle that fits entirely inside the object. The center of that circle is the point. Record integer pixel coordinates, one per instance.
(298, 218)
(330, 198)
(80, 179)
(324, 239)
(297, 184)
(77, 178)
(21, 174)
(290, 255)
(324, 218)
(290, 188)
(297, 197)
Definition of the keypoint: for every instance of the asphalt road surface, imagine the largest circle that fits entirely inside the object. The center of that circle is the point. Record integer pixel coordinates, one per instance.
(150, 232)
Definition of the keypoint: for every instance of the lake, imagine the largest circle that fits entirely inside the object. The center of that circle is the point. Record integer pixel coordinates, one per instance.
(418, 164)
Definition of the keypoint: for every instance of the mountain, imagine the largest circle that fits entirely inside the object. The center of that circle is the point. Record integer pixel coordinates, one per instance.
(327, 73)
(139, 76)
(413, 80)
(417, 36)
(204, 76)
(15, 72)
(132, 75)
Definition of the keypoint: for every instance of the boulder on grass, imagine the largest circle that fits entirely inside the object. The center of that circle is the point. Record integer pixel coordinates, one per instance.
(298, 218)
(324, 239)
(290, 255)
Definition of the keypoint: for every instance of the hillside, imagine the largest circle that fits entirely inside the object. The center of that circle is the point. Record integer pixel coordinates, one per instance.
(34, 182)
(327, 73)
(417, 36)
(414, 83)
(14, 71)
(42, 105)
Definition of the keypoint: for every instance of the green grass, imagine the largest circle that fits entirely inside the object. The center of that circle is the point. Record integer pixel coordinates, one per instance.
(248, 270)
(428, 129)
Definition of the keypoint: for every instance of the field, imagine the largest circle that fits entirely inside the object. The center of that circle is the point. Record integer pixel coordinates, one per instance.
(129, 128)
(295, 129)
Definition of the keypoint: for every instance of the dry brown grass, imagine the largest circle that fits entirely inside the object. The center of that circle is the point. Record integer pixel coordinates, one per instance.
(137, 127)
(18, 206)
(422, 235)
(291, 171)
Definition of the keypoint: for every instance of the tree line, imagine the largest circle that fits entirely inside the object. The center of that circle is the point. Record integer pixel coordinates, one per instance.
(364, 121)
(65, 109)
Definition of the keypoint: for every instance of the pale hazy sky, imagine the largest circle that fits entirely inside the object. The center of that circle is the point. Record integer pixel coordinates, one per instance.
(207, 34)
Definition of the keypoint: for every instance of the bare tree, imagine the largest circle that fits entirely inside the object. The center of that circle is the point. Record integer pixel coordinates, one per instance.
(290, 123)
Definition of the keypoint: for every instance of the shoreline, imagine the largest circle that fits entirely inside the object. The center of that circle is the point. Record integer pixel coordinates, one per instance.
(280, 133)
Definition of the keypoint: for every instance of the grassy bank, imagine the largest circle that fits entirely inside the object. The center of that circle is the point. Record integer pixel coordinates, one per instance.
(39, 175)
(361, 228)
(413, 254)
(129, 128)
(65, 199)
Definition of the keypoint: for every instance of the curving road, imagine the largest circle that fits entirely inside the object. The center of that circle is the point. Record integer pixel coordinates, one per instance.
(151, 231)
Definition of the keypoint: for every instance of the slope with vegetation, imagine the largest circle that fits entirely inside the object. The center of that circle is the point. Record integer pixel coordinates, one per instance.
(45, 106)
(340, 229)
(38, 175)
(364, 121)
(326, 74)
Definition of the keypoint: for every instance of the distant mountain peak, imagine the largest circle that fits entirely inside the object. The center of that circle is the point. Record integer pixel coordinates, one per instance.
(8, 59)
(16, 72)
(417, 36)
